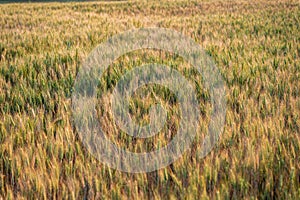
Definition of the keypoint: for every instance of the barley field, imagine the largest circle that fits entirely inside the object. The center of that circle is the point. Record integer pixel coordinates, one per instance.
(256, 46)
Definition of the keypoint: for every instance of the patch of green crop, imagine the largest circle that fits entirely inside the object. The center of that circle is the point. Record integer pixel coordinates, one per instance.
(256, 46)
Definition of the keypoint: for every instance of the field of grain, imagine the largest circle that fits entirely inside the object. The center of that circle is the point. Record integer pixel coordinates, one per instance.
(256, 45)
